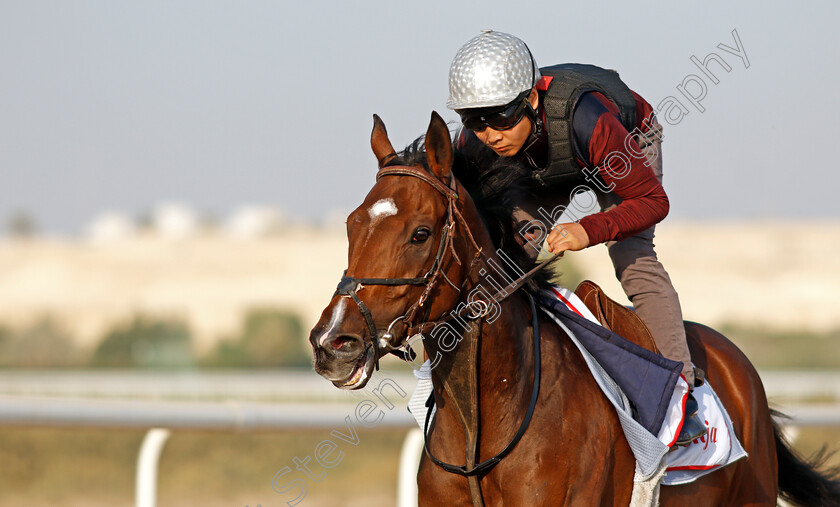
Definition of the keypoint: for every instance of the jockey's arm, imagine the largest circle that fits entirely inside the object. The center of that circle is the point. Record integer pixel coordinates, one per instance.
(644, 202)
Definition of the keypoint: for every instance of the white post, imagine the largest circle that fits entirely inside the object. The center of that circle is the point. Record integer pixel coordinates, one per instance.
(412, 451)
(145, 494)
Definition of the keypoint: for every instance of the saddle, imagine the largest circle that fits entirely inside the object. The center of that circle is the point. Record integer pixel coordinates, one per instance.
(614, 316)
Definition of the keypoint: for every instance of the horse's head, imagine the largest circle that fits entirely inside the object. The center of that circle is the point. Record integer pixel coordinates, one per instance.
(402, 267)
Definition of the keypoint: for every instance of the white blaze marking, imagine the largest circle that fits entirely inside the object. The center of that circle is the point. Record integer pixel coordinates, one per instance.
(338, 312)
(381, 209)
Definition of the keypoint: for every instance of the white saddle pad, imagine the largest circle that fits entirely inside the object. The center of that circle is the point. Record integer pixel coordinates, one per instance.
(717, 448)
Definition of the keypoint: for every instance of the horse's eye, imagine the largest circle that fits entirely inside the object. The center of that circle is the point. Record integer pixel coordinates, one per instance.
(421, 235)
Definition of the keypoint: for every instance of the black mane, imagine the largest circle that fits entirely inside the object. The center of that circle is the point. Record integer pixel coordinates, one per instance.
(494, 192)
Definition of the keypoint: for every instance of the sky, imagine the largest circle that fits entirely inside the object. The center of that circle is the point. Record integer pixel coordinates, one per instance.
(118, 105)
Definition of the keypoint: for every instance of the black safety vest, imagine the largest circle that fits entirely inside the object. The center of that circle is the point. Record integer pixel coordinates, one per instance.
(570, 81)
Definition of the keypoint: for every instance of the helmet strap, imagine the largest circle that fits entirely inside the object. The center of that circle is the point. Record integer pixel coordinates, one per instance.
(537, 126)
(537, 123)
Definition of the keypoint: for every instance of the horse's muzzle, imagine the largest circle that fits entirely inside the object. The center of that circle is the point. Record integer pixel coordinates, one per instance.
(342, 358)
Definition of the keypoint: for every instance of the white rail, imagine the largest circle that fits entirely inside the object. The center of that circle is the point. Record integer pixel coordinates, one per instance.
(295, 385)
(239, 416)
(223, 416)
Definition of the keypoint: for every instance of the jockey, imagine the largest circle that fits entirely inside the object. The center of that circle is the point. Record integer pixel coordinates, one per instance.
(576, 126)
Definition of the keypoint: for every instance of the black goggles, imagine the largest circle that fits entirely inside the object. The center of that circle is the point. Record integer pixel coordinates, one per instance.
(496, 118)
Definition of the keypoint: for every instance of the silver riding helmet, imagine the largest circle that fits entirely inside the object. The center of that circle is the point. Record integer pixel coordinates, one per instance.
(491, 69)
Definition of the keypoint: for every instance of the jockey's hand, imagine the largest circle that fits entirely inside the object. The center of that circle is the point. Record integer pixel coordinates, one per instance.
(570, 236)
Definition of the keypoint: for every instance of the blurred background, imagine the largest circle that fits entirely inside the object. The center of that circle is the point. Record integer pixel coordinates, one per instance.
(176, 176)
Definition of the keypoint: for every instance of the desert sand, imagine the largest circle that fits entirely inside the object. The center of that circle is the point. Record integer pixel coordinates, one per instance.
(780, 275)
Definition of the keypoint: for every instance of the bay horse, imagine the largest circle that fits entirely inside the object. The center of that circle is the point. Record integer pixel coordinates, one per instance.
(419, 259)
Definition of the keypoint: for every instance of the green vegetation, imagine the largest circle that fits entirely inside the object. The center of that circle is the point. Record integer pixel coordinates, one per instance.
(269, 338)
(275, 337)
(145, 343)
(792, 350)
(42, 345)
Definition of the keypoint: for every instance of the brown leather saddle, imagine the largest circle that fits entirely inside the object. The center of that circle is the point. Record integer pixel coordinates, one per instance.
(614, 316)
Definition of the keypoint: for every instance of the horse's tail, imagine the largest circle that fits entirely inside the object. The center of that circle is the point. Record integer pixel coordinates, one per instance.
(805, 481)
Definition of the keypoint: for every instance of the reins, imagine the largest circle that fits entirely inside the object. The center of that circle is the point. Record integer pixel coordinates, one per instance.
(349, 286)
(487, 464)
(498, 297)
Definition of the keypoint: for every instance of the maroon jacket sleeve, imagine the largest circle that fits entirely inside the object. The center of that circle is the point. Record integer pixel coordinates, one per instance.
(644, 202)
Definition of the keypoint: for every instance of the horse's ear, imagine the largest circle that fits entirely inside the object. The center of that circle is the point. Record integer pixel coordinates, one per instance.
(439, 148)
(379, 141)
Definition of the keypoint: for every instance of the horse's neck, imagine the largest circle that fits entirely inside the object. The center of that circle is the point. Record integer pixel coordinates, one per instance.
(506, 357)
(488, 371)
(498, 344)
(494, 350)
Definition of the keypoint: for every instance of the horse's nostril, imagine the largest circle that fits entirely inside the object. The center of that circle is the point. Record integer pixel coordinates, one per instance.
(343, 343)
(340, 341)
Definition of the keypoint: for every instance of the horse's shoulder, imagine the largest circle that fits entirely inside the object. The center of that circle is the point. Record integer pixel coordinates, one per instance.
(564, 368)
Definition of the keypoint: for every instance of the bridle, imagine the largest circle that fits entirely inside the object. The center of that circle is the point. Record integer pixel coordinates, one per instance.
(349, 286)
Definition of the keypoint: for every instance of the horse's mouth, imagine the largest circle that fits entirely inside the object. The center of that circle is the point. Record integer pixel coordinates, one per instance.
(361, 372)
